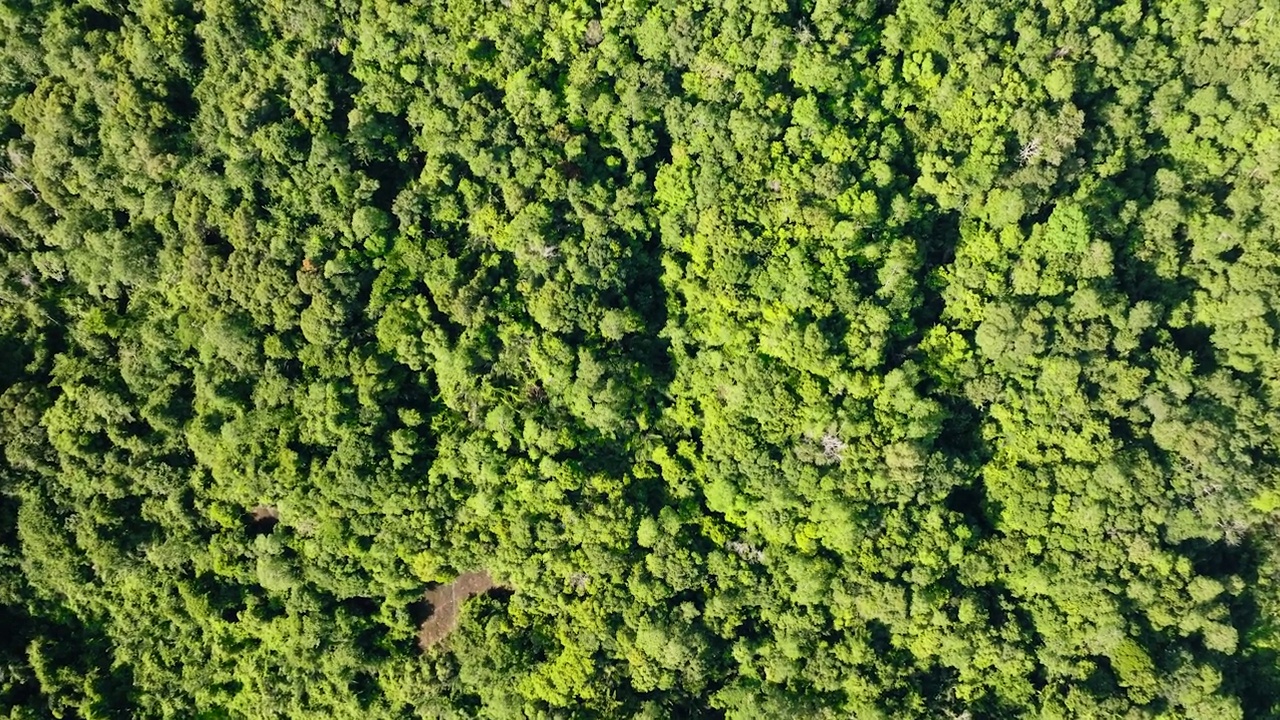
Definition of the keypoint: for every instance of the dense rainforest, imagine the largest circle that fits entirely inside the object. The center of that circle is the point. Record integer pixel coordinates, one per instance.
(639, 358)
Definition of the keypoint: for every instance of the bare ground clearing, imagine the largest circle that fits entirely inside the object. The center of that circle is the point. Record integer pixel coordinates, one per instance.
(445, 602)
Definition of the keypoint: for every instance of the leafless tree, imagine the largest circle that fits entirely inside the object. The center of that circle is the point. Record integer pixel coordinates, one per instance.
(832, 446)
(1029, 151)
(746, 551)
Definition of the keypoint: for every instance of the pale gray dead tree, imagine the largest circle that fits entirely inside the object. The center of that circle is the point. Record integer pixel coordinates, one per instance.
(595, 33)
(1029, 151)
(832, 447)
(804, 35)
(746, 551)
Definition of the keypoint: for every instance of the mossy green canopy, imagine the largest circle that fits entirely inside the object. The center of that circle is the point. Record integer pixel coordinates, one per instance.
(735, 359)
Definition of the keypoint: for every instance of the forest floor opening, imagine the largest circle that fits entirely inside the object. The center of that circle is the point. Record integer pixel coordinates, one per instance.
(444, 603)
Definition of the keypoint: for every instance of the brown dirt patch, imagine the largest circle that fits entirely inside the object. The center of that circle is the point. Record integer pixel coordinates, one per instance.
(445, 602)
(263, 520)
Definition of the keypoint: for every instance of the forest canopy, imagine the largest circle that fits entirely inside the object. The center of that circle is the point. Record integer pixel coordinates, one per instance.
(727, 359)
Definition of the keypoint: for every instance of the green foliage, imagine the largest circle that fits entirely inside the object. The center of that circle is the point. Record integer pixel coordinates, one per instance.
(777, 360)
